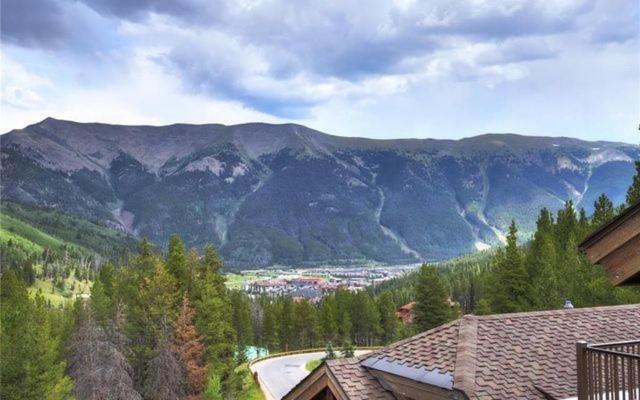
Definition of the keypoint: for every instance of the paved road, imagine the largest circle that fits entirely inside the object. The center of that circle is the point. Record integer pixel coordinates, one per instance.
(279, 375)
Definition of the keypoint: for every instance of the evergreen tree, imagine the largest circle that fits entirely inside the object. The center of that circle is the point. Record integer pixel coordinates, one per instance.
(285, 324)
(345, 327)
(152, 310)
(100, 303)
(214, 321)
(540, 264)
(329, 353)
(511, 290)
(432, 307)
(177, 262)
(241, 307)
(389, 323)
(269, 327)
(603, 211)
(633, 193)
(347, 350)
(327, 316)
(364, 319)
(213, 390)
(566, 226)
(30, 367)
(305, 325)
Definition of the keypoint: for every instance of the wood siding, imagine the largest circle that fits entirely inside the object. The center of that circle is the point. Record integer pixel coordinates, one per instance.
(616, 246)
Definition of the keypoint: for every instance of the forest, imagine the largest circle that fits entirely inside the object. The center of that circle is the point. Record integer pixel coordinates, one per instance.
(163, 325)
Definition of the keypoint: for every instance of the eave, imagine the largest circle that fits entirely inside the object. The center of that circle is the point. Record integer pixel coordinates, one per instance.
(616, 246)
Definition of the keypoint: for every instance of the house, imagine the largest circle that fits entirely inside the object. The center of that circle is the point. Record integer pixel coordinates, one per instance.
(405, 313)
(583, 354)
(616, 246)
(528, 355)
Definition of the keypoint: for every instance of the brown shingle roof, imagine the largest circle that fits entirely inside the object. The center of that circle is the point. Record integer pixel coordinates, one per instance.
(356, 381)
(434, 349)
(511, 355)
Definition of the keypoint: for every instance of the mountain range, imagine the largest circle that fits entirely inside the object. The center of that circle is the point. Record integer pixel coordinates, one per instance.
(286, 194)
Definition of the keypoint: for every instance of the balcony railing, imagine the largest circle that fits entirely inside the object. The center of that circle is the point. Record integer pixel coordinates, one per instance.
(608, 371)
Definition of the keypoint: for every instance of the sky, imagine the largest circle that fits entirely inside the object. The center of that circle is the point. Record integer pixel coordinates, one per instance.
(379, 69)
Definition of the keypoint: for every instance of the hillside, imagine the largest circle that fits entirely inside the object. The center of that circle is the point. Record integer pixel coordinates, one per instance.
(34, 230)
(286, 194)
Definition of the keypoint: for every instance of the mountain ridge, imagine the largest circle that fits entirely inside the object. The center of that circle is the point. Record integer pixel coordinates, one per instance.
(288, 194)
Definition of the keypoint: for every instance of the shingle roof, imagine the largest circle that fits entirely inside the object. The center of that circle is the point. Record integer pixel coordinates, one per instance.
(510, 355)
(434, 349)
(356, 381)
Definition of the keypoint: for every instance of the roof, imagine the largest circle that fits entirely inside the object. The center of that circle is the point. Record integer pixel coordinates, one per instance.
(356, 381)
(346, 378)
(614, 246)
(610, 226)
(520, 355)
(407, 307)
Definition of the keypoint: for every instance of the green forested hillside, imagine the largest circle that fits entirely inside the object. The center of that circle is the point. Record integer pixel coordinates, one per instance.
(56, 254)
(56, 231)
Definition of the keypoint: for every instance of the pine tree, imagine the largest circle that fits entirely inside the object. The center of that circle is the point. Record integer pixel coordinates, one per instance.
(347, 350)
(30, 364)
(327, 316)
(241, 307)
(329, 353)
(566, 224)
(364, 318)
(389, 323)
(269, 327)
(213, 390)
(511, 291)
(432, 307)
(633, 193)
(100, 303)
(177, 262)
(540, 263)
(603, 211)
(152, 309)
(187, 344)
(345, 327)
(305, 325)
(214, 321)
(285, 324)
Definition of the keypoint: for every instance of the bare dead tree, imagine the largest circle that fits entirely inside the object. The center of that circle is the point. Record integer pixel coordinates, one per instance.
(100, 369)
(165, 375)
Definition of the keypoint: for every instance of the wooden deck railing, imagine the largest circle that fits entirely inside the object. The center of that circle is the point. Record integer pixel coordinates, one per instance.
(608, 371)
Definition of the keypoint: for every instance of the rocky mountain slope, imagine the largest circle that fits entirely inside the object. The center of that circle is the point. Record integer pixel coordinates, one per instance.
(287, 194)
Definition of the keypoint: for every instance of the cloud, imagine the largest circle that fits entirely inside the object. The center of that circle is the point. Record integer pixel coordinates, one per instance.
(21, 88)
(299, 59)
(33, 22)
(144, 94)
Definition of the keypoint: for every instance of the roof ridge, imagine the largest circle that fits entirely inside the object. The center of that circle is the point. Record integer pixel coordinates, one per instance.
(464, 372)
(556, 311)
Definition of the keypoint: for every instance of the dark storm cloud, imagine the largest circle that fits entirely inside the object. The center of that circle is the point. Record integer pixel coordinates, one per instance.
(34, 23)
(56, 25)
(188, 10)
(302, 43)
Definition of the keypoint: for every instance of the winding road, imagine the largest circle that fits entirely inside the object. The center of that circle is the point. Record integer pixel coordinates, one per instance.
(278, 375)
